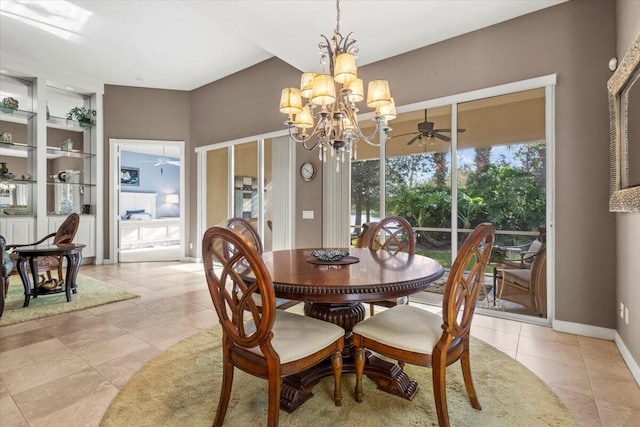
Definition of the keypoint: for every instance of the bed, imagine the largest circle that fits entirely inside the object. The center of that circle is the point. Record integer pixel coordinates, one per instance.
(139, 226)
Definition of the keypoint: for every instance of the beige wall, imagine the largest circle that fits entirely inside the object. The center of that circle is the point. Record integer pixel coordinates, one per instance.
(628, 224)
(575, 40)
(154, 114)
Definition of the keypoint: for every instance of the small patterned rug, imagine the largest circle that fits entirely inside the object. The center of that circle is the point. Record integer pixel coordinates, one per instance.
(91, 293)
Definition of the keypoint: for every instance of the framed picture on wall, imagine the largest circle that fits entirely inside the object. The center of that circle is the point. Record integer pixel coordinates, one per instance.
(129, 176)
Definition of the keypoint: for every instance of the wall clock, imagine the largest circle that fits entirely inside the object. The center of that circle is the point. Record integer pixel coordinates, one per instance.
(308, 171)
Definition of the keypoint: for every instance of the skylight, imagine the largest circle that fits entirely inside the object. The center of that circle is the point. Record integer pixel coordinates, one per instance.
(60, 18)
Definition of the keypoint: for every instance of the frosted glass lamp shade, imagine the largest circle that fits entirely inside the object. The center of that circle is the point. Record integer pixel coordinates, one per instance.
(357, 90)
(324, 90)
(306, 84)
(290, 101)
(378, 94)
(172, 198)
(345, 69)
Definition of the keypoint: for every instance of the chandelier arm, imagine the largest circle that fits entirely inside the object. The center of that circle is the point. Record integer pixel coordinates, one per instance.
(329, 51)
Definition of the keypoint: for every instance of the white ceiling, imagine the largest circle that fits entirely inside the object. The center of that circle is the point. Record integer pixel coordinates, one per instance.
(184, 44)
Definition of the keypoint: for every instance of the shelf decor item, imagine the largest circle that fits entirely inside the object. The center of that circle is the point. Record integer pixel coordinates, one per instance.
(66, 145)
(5, 137)
(9, 104)
(84, 116)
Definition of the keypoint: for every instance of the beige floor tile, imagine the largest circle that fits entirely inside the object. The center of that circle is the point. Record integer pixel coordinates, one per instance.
(100, 330)
(497, 324)
(36, 372)
(165, 332)
(611, 388)
(53, 396)
(23, 339)
(551, 350)
(568, 377)
(615, 415)
(594, 346)
(548, 334)
(201, 319)
(612, 364)
(119, 370)
(10, 415)
(102, 351)
(18, 328)
(497, 338)
(116, 306)
(18, 357)
(582, 406)
(85, 412)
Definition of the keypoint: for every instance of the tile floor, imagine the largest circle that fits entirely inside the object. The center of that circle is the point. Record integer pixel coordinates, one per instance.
(65, 370)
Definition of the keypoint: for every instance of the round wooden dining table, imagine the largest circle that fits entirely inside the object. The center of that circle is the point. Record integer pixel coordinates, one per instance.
(335, 292)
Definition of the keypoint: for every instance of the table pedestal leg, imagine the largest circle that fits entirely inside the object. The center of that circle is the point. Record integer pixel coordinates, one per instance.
(297, 388)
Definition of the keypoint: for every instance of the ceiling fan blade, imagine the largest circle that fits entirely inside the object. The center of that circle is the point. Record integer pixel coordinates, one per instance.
(158, 164)
(442, 137)
(173, 162)
(414, 139)
(403, 134)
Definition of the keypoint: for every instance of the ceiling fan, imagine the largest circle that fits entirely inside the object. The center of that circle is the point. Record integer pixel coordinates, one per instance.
(425, 129)
(163, 161)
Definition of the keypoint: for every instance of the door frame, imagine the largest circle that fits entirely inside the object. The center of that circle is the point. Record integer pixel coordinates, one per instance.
(116, 145)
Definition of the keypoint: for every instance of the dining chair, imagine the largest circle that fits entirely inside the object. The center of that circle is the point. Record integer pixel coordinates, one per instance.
(248, 231)
(64, 234)
(393, 234)
(264, 342)
(412, 335)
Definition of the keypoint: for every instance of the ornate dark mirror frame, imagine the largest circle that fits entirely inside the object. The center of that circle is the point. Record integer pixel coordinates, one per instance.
(623, 197)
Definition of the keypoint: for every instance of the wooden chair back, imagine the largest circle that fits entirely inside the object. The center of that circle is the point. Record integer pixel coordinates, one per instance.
(465, 280)
(247, 230)
(394, 234)
(227, 273)
(67, 230)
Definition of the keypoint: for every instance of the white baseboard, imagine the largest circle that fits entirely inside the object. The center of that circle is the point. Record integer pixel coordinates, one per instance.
(585, 330)
(604, 334)
(628, 359)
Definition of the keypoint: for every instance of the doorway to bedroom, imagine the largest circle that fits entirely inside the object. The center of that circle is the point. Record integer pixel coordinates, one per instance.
(147, 188)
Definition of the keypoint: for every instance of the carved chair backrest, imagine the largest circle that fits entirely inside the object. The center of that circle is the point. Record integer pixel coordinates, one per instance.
(465, 279)
(246, 229)
(232, 279)
(394, 234)
(68, 229)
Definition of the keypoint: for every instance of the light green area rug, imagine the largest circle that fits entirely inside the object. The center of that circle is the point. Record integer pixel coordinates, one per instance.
(180, 387)
(91, 293)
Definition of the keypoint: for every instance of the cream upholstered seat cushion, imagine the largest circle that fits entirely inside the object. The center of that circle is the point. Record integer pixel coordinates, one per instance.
(519, 277)
(404, 327)
(296, 336)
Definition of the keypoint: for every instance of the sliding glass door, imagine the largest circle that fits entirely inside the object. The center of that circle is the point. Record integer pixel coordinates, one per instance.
(451, 167)
(239, 184)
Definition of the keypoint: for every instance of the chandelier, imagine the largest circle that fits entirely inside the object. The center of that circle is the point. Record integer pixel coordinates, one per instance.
(335, 94)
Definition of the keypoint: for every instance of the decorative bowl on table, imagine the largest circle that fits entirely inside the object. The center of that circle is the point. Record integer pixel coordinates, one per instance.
(330, 255)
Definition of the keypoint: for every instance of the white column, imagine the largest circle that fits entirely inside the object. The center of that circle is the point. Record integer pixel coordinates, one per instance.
(283, 172)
